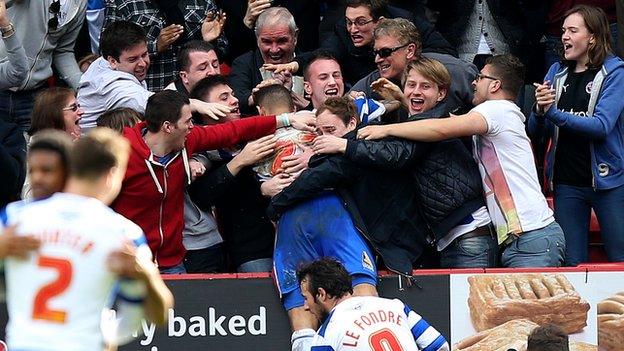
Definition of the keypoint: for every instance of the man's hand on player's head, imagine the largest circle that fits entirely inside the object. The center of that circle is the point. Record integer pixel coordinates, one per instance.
(14, 245)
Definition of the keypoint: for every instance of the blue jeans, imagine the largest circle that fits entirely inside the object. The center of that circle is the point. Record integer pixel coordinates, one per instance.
(254, 266)
(573, 212)
(476, 252)
(16, 107)
(177, 269)
(543, 247)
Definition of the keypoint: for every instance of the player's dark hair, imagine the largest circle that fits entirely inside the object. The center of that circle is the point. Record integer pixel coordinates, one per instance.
(120, 36)
(275, 95)
(509, 70)
(548, 338)
(326, 273)
(164, 106)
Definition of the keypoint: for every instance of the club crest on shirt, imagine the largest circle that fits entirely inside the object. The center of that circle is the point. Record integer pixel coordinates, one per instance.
(588, 87)
(366, 261)
(3, 346)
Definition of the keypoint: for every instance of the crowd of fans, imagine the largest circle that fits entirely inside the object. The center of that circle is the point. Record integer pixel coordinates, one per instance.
(522, 85)
(265, 134)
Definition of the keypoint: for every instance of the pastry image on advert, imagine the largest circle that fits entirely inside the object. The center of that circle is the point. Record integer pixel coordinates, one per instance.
(539, 298)
(509, 335)
(611, 323)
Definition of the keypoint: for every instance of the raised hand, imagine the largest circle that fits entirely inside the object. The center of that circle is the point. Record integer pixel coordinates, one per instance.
(213, 25)
(168, 36)
(254, 9)
(389, 91)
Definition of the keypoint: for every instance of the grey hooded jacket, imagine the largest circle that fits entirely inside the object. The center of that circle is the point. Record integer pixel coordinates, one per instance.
(46, 47)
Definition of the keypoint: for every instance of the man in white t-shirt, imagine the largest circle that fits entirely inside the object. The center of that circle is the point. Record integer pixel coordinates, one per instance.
(360, 323)
(86, 258)
(526, 229)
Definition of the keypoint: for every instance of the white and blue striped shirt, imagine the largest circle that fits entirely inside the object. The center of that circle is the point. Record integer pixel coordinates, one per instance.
(368, 323)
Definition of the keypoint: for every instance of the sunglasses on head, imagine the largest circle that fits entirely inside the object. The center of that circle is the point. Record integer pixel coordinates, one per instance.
(55, 8)
(385, 52)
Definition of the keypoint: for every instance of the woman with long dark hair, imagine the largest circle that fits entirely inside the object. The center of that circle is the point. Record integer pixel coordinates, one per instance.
(56, 108)
(580, 107)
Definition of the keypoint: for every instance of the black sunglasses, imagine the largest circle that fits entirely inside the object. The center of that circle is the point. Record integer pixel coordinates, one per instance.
(55, 8)
(385, 52)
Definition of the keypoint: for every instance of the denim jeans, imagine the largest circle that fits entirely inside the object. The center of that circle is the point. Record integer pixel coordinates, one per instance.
(476, 252)
(543, 247)
(177, 269)
(256, 266)
(573, 212)
(16, 107)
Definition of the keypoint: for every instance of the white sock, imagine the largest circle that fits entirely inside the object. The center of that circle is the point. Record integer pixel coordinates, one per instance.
(302, 339)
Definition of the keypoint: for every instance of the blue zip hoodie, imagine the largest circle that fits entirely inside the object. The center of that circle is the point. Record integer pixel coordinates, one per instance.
(604, 123)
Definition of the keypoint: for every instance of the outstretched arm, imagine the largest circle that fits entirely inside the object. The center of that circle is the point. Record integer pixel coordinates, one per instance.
(435, 129)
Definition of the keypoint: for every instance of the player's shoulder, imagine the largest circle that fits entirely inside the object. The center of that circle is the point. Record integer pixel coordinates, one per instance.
(13, 210)
(126, 227)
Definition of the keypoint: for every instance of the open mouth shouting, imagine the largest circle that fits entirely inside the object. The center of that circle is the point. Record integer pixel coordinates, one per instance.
(331, 92)
(357, 39)
(275, 57)
(417, 104)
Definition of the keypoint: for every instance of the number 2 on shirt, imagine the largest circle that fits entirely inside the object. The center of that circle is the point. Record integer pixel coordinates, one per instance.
(41, 311)
(384, 340)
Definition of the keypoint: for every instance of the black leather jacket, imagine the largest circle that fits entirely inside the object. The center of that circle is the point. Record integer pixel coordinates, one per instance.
(447, 177)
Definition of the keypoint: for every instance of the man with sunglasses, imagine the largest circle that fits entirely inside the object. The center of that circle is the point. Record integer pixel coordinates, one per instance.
(47, 30)
(528, 235)
(397, 42)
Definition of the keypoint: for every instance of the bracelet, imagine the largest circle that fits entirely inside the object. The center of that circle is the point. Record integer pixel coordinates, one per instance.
(7, 31)
(283, 119)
